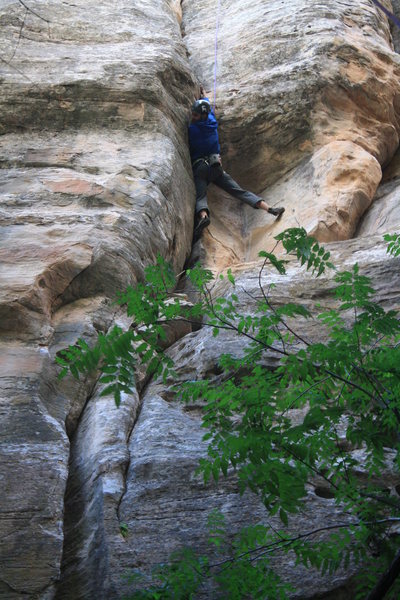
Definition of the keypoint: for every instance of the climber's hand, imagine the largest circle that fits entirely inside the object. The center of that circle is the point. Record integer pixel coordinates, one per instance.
(202, 92)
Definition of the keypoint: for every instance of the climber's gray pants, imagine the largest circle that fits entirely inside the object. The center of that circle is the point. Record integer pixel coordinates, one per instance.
(203, 175)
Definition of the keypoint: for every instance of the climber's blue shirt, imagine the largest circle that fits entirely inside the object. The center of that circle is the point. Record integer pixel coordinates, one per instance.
(203, 137)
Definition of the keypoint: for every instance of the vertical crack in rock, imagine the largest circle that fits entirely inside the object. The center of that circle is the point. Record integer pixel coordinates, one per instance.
(308, 101)
(174, 331)
(94, 137)
(97, 468)
(97, 483)
(308, 104)
(383, 215)
(141, 395)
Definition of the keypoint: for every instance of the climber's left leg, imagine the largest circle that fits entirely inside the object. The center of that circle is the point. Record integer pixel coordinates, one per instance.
(229, 185)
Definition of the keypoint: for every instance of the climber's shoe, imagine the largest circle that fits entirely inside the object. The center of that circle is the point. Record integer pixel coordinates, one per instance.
(277, 212)
(201, 224)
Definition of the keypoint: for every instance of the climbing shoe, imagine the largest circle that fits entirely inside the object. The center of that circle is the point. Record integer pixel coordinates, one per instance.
(276, 211)
(200, 225)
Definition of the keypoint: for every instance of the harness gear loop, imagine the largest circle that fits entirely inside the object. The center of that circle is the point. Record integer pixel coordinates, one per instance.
(211, 160)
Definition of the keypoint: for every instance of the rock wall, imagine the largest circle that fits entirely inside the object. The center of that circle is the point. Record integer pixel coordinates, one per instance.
(96, 180)
(310, 105)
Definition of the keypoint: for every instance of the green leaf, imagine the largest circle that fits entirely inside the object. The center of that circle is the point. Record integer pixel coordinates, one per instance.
(108, 390)
(107, 379)
(275, 415)
(283, 517)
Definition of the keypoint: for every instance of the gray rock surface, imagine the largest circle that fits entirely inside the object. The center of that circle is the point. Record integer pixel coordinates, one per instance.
(95, 181)
(164, 499)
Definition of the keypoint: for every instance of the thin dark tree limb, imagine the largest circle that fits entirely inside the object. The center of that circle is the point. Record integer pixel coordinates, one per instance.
(5, 62)
(387, 580)
(19, 38)
(8, 62)
(310, 387)
(278, 544)
(33, 12)
(268, 302)
(227, 325)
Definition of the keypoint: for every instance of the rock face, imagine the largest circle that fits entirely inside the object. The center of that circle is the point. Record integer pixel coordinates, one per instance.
(163, 494)
(309, 102)
(96, 181)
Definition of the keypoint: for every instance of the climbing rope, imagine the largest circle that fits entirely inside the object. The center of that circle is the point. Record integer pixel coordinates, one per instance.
(387, 12)
(216, 51)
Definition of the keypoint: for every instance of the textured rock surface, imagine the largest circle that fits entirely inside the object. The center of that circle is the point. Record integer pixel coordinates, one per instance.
(308, 96)
(163, 496)
(93, 101)
(95, 180)
(384, 213)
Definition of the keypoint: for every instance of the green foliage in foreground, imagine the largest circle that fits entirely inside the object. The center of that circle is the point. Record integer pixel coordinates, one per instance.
(346, 384)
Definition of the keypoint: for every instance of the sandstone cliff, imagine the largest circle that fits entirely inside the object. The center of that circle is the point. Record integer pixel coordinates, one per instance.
(96, 180)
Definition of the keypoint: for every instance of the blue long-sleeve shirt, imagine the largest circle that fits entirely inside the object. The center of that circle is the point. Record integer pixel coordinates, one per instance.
(203, 137)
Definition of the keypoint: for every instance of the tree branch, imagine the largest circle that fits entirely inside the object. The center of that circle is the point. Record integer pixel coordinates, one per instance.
(33, 12)
(282, 543)
(386, 581)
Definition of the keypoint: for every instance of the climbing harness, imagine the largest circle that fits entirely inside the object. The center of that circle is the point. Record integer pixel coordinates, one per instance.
(212, 160)
(216, 51)
(198, 161)
(387, 12)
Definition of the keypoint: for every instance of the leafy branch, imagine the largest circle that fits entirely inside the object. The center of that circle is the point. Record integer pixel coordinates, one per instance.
(347, 386)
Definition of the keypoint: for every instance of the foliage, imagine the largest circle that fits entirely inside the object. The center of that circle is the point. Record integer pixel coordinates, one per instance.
(239, 576)
(393, 243)
(123, 529)
(346, 384)
(116, 354)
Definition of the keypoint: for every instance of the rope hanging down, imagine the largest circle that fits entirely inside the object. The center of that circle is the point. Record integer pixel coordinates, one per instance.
(216, 51)
(387, 12)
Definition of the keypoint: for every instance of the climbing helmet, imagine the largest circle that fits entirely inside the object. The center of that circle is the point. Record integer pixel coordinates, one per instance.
(201, 107)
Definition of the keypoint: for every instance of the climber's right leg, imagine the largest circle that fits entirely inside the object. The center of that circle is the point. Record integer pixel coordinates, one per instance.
(200, 173)
(202, 214)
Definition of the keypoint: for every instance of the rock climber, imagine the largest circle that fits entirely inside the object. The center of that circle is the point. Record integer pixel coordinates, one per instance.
(207, 167)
